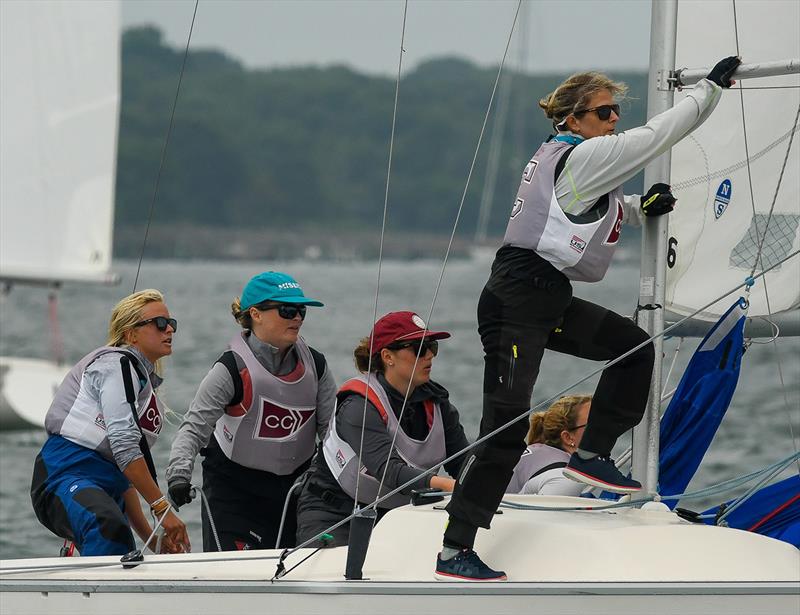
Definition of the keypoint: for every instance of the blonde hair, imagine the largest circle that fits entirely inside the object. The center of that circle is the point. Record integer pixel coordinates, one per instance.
(128, 312)
(576, 91)
(241, 316)
(361, 356)
(546, 426)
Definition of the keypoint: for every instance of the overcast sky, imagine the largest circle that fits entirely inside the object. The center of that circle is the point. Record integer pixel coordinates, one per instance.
(556, 36)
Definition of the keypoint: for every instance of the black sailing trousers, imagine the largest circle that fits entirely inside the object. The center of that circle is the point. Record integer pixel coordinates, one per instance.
(518, 319)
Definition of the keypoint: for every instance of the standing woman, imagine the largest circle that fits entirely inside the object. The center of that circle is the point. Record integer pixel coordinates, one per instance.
(553, 436)
(255, 419)
(429, 429)
(564, 227)
(104, 418)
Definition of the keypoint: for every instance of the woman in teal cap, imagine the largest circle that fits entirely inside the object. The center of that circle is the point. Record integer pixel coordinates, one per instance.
(255, 419)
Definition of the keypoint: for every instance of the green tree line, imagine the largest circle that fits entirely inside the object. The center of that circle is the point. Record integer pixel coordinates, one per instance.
(307, 148)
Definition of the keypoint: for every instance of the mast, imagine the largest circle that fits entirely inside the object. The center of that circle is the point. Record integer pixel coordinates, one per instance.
(661, 87)
(652, 279)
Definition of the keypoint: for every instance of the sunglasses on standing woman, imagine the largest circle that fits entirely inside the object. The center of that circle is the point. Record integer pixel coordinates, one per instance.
(603, 111)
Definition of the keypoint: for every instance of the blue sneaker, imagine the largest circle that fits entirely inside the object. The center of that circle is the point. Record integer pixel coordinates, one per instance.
(600, 472)
(466, 566)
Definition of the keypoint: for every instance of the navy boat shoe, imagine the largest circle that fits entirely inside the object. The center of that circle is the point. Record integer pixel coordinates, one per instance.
(466, 566)
(600, 472)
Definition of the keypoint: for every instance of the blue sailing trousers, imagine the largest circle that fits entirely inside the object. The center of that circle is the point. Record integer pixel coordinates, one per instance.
(78, 494)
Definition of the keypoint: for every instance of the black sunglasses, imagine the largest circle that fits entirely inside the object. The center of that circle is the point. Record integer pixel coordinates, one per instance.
(603, 111)
(161, 323)
(286, 310)
(578, 427)
(415, 345)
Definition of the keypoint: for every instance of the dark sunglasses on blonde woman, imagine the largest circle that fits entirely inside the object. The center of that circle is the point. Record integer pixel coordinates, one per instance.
(160, 322)
(603, 111)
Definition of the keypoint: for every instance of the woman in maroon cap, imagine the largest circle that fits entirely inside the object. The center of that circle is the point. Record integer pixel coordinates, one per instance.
(364, 452)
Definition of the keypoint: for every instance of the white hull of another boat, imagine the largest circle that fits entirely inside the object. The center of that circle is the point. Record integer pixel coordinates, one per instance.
(626, 560)
(27, 387)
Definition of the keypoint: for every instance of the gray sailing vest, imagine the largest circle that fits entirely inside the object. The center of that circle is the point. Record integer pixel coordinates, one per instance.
(75, 415)
(420, 454)
(535, 459)
(581, 251)
(274, 426)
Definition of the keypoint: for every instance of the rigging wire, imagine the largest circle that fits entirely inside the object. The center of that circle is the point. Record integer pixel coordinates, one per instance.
(449, 246)
(716, 489)
(541, 404)
(287, 552)
(671, 366)
(380, 254)
(164, 148)
(757, 261)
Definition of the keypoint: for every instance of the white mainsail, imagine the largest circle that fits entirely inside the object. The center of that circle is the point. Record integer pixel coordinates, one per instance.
(58, 121)
(724, 204)
(59, 112)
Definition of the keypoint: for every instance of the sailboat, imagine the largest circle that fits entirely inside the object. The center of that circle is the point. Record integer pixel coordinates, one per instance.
(569, 555)
(58, 120)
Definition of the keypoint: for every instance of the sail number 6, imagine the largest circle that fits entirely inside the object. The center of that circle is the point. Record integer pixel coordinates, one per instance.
(672, 254)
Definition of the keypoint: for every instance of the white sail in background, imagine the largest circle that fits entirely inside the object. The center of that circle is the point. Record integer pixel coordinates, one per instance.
(724, 204)
(59, 113)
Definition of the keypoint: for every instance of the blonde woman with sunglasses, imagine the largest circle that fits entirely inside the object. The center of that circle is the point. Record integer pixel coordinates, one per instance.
(554, 434)
(255, 419)
(565, 224)
(103, 420)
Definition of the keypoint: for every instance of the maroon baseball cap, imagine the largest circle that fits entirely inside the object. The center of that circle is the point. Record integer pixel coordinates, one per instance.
(400, 327)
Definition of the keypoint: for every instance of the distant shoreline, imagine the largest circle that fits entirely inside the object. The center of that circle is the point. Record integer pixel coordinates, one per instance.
(203, 242)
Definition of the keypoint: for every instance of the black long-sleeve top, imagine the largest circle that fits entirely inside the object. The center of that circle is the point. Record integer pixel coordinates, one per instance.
(377, 439)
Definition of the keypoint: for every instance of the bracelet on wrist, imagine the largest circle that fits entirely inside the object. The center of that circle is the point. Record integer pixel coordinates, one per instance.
(160, 505)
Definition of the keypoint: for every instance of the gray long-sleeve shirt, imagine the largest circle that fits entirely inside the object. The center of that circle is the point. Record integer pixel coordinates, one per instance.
(214, 395)
(600, 164)
(102, 381)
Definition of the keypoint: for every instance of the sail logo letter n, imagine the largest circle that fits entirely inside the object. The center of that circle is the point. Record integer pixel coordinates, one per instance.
(723, 198)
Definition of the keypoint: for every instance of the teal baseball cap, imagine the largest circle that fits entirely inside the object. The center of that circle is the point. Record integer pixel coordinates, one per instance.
(274, 286)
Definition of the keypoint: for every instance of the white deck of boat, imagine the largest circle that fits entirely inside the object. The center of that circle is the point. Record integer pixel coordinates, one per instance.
(651, 546)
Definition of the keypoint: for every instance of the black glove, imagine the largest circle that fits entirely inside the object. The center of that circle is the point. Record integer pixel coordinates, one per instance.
(721, 73)
(657, 202)
(180, 492)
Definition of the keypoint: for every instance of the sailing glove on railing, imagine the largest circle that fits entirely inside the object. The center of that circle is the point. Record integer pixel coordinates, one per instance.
(721, 73)
(180, 492)
(658, 201)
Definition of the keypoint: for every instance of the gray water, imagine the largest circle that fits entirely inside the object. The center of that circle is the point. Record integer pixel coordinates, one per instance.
(755, 433)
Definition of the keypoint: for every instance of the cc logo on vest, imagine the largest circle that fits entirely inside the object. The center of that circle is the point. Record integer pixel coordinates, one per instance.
(613, 235)
(150, 418)
(276, 422)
